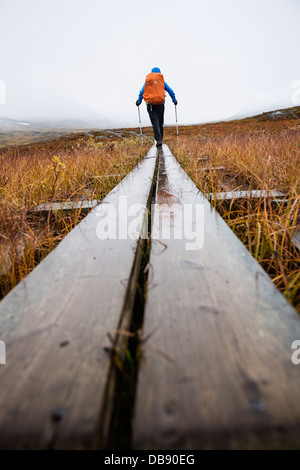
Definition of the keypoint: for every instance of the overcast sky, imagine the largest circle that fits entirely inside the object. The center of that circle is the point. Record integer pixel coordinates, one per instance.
(72, 58)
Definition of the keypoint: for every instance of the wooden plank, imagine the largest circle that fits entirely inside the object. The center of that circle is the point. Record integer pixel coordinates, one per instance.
(152, 152)
(216, 370)
(213, 168)
(54, 387)
(83, 205)
(115, 175)
(251, 194)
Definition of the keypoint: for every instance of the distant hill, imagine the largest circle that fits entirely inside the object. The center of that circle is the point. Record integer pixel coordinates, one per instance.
(17, 132)
(7, 125)
(13, 132)
(50, 109)
(274, 115)
(287, 113)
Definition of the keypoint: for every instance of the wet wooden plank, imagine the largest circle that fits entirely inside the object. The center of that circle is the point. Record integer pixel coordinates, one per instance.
(213, 168)
(244, 194)
(115, 175)
(216, 370)
(83, 205)
(53, 388)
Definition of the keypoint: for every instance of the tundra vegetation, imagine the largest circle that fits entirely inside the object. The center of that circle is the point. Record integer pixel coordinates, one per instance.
(258, 155)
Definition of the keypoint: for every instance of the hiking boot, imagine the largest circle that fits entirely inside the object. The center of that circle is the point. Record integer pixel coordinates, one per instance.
(159, 144)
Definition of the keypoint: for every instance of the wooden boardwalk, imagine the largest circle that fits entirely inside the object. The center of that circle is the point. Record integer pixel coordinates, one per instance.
(216, 369)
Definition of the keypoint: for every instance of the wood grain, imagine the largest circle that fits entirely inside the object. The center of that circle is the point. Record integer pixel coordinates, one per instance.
(216, 369)
(55, 325)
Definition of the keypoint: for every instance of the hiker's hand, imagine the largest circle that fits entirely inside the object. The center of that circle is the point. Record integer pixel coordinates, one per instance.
(138, 102)
(176, 102)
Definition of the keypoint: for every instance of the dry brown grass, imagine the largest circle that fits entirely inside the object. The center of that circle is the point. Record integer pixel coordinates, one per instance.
(60, 170)
(255, 154)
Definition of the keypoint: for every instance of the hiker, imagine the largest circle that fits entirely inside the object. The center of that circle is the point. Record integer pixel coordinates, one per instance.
(153, 93)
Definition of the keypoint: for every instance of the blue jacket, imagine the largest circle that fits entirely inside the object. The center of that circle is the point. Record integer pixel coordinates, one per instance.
(167, 88)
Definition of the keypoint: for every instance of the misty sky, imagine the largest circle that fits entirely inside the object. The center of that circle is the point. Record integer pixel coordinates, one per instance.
(76, 58)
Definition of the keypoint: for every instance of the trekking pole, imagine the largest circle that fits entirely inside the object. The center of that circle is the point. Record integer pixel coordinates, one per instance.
(176, 124)
(141, 133)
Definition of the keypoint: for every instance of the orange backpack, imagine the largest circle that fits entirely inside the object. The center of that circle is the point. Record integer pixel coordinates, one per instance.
(154, 91)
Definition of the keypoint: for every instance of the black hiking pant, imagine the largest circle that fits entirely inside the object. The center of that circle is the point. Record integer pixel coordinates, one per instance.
(156, 113)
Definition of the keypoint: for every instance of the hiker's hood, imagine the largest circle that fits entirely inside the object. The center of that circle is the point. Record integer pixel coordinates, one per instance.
(155, 70)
